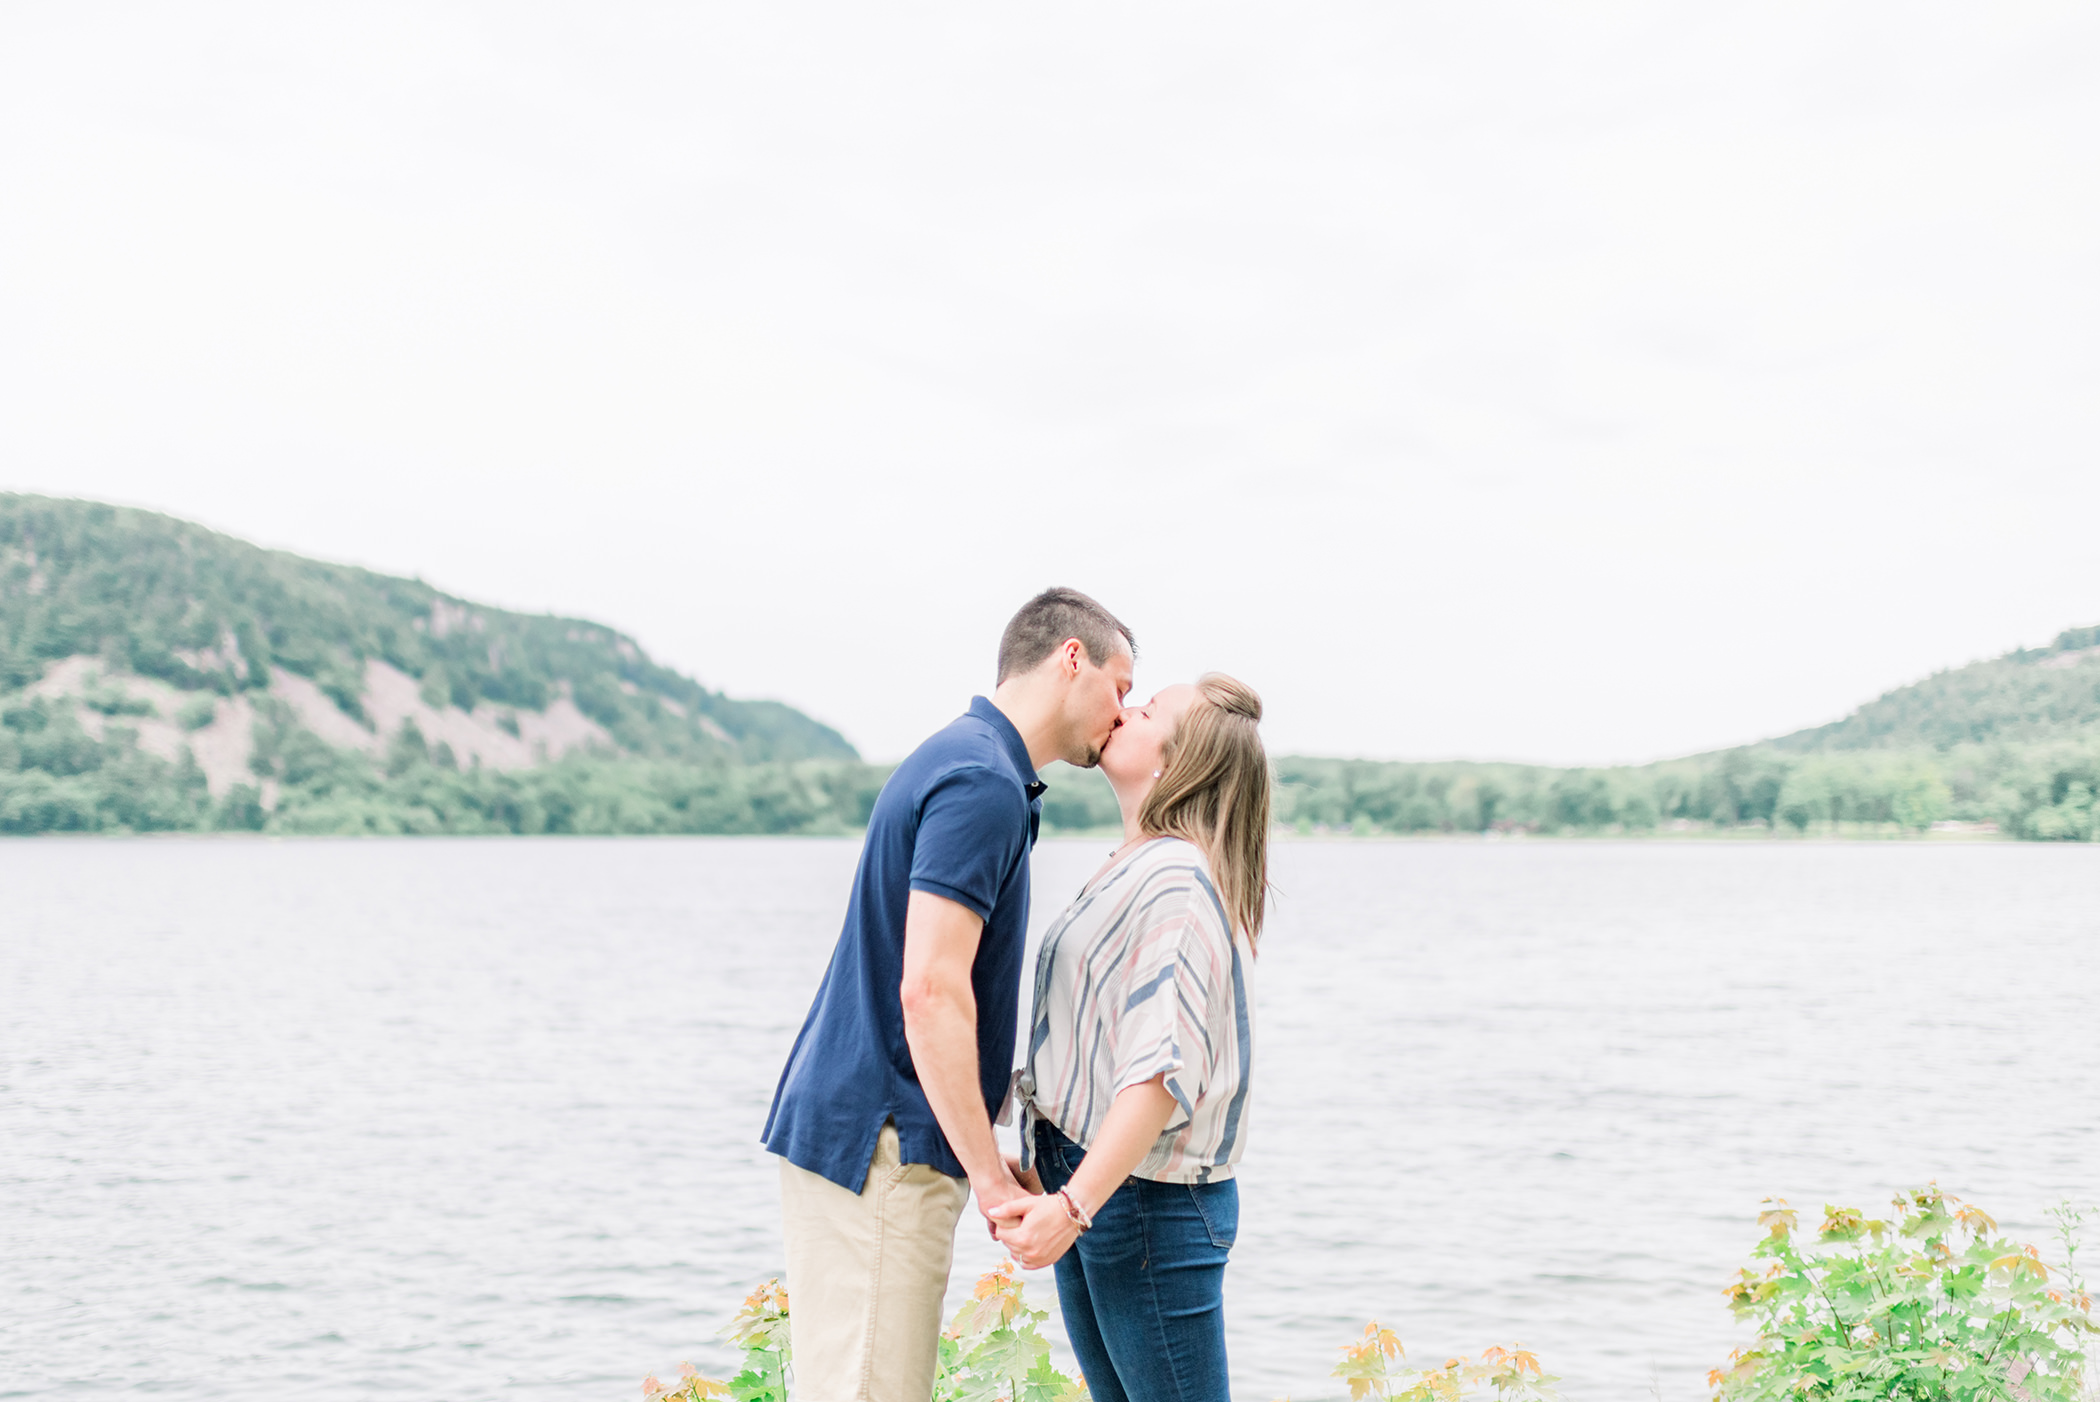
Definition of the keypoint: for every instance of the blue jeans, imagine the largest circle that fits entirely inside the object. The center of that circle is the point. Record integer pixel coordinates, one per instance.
(1144, 1291)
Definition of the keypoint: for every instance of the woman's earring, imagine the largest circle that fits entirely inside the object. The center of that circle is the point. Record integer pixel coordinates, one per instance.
(1157, 772)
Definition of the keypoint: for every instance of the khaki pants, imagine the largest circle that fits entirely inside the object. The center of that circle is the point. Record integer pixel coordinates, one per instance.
(866, 1276)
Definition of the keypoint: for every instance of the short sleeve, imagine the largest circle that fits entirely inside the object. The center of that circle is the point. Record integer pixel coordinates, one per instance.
(1159, 1023)
(973, 827)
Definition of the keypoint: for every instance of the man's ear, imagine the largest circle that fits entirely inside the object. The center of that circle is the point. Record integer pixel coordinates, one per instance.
(1073, 650)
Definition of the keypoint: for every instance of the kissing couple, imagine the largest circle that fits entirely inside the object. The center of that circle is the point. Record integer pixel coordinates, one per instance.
(1133, 1089)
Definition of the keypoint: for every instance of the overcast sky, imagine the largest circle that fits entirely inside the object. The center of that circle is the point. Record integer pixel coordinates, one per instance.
(1563, 382)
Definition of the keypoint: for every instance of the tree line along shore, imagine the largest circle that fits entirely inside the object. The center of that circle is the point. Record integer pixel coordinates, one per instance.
(56, 777)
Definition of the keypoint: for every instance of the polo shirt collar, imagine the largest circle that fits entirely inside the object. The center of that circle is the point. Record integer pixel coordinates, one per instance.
(991, 715)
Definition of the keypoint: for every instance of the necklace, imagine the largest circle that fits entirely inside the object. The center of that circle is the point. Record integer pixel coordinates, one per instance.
(1116, 854)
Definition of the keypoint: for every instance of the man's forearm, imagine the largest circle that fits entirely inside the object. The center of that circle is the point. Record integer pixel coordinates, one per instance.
(942, 1034)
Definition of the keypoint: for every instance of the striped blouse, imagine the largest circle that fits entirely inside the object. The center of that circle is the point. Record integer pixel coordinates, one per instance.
(1140, 976)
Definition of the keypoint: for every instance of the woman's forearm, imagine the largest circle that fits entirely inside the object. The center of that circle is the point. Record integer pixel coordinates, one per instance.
(1039, 1229)
(1133, 1126)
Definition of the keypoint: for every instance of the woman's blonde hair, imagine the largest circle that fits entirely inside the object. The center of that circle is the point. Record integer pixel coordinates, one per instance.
(1213, 791)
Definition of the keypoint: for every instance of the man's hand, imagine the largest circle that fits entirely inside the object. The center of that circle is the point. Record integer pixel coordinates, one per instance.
(995, 1191)
(1037, 1229)
(1019, 1182)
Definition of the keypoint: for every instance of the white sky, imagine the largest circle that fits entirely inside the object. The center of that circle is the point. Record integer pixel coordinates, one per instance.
(1574, 383)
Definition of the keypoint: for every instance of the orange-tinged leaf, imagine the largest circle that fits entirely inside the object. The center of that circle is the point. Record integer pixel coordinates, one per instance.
(1778, 1219)
(1976, 1219)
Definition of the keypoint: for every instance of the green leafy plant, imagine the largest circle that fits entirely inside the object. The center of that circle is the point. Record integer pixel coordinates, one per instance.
(1376, 1366)
(992, 1351)
(1930, 1305)
(994, 1348)
(761, 1330)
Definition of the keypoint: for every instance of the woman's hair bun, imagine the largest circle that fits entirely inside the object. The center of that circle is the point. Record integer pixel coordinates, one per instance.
(1229, 694)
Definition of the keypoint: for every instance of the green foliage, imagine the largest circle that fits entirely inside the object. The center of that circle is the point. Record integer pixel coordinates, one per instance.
(2014, 741)
(2024, 697)
(2042, 792)
(163, 598)
(197, 712)
(1079, 800)
(992, 1351)
(2053, 796)
(1919, 798)
(336, 792)
(56, 777)
(1930, 1305)
(112, 701)
(760, 1329)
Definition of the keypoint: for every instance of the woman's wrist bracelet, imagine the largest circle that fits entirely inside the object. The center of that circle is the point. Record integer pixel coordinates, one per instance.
(1074, 1211)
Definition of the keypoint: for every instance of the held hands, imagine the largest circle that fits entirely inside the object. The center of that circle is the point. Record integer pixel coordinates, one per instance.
(1037, 1229)
(1010, 1184)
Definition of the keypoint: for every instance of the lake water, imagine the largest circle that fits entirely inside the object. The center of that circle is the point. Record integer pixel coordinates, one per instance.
(438, 1119)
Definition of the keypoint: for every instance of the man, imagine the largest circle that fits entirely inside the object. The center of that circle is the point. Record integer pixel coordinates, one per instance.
(883, 1117)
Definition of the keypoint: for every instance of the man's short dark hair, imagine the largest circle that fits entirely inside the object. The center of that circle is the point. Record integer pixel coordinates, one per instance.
(1044, 623)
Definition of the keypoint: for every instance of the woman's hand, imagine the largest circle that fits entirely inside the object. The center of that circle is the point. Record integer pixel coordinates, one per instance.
(1040, 1229)
(1036, 1229)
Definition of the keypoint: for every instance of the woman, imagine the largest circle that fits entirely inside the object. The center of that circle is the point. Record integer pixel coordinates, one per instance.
(1136, 1084)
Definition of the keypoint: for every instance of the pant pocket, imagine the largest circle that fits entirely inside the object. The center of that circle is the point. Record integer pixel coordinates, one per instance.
(1218, 1204)
(1052, 1148)
(888, 1166)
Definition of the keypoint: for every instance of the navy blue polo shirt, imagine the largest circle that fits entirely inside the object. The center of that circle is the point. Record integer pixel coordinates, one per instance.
(957, 819)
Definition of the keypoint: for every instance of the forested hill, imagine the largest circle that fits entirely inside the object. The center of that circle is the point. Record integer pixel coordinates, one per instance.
(2030, 695)
(156, 597)
(155, 675)
(2010, 745)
